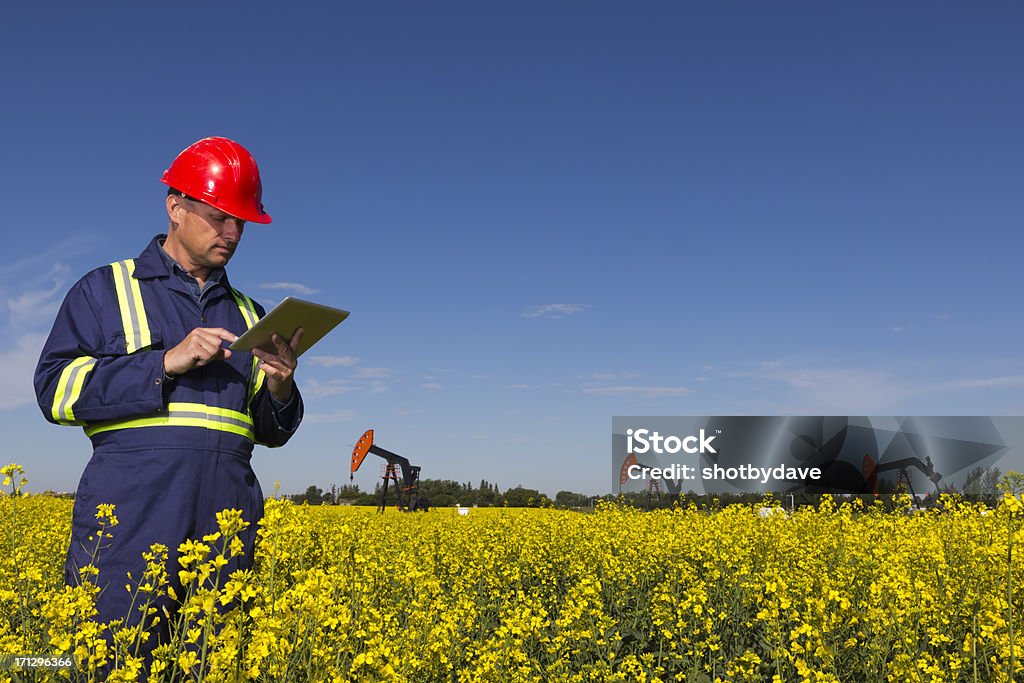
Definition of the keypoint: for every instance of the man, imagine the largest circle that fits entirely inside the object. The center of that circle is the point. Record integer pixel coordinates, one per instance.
(138, 357)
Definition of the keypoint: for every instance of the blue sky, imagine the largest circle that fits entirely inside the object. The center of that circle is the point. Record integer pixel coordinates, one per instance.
(542, 215)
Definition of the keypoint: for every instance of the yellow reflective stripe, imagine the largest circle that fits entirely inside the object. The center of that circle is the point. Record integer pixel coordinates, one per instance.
(248, 309)
(173, 421)
(257, 382)
(210, 410)
(145, 338)
(185, 415)
(133, 311)
(120, 273)
(69, 388)
(246, 306)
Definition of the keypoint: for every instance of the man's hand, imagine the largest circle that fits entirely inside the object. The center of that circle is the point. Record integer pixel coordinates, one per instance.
(280, 367)
(201, 347)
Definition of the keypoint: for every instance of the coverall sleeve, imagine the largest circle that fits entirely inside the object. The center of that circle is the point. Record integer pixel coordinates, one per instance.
(84, 374)
(274, 424)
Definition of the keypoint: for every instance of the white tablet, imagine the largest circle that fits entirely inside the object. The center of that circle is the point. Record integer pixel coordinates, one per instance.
(316, 320)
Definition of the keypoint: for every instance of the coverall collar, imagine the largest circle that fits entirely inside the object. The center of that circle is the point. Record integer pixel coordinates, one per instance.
(151, 264)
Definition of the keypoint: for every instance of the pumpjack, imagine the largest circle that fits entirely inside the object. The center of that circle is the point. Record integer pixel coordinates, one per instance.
(872, 469)
(408, 490)
(651, 488)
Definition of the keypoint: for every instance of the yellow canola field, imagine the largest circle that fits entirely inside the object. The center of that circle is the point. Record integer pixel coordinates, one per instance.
(344, 594)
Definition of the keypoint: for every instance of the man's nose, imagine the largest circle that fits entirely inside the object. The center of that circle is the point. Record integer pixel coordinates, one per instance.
(233, 229)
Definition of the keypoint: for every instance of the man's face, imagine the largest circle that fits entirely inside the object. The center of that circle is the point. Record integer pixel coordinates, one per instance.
(207, 236)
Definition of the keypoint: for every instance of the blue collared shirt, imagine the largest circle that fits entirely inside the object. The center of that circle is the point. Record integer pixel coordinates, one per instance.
(195, 289)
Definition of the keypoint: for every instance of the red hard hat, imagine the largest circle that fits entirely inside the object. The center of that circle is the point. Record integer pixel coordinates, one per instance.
(221, 173)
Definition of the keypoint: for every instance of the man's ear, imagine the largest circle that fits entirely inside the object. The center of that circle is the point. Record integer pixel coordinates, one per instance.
(175, 205)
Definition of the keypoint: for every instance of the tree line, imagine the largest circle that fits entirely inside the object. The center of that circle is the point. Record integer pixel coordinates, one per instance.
(984, 485)
(445, 493)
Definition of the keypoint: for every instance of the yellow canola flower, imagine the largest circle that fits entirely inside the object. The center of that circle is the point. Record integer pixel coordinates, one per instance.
(844, 592)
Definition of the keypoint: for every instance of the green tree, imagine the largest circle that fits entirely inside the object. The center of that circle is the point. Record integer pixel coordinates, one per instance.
(314, 495)
(520, 497)
(569, 499)
(983, 484)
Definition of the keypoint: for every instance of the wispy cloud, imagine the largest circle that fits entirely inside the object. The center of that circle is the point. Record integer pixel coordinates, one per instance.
(358, 380)
(411, 411)
(546, 385)
(432, 385)
(289, 287)
(805, 386)
(607, 376)
(373, 373)
(31, 292)
(69, 248)
(554, 310)
(624, 384)
(36, 305)
(315, 388)
(19, 363)
(637, 390)
(986, 382)
(333, 361)
(825, 390)
(332, 416)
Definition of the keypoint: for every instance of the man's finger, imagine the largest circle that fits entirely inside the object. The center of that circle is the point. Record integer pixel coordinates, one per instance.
(283, 350)
(202, 347)
(209, 349)
(218, 332)
(275, 372)
(271, 361)
(263, 354)
(296, 338)
(215, 335)
(205, 339)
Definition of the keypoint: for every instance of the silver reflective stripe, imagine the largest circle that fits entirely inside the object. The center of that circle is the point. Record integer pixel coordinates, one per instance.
(71, 396)
(210, 417)
(128, 302)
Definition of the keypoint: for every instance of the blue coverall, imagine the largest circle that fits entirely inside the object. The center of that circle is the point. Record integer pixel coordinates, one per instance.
(168, 453)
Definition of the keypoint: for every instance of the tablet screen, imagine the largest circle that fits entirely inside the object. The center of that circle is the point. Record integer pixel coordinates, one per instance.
(289, 315)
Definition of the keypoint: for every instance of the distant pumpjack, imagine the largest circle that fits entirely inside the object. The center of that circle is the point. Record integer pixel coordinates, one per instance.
(408, 491)
(872, 469)
(652, 487)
